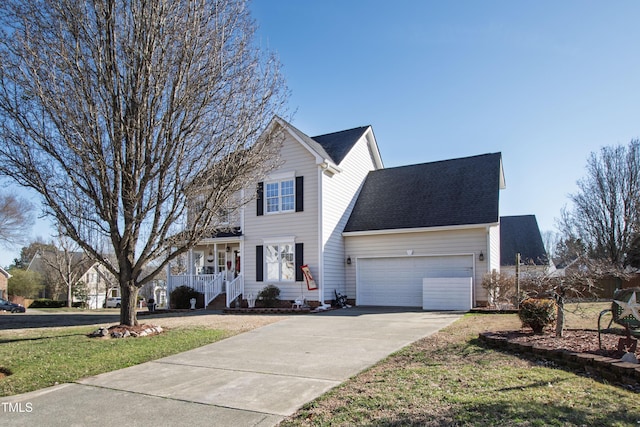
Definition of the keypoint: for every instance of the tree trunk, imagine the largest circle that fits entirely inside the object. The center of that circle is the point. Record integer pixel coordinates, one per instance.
(560, 318)
(69, 295)
(128, 304)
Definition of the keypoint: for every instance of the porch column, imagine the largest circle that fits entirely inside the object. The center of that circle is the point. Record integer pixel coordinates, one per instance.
(215, 258)
(167, 286)
(191, 269)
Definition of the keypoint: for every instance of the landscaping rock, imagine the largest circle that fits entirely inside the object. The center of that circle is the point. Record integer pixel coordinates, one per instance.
(99, 333)
(121, 331)
(629, 358)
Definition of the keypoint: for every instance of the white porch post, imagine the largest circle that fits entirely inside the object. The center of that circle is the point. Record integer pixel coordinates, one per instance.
(167, 286)
(191, 269)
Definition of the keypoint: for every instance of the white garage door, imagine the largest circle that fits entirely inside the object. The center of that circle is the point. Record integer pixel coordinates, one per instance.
(398, 281)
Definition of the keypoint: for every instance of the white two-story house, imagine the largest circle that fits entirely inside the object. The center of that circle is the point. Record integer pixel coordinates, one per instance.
(370, 233)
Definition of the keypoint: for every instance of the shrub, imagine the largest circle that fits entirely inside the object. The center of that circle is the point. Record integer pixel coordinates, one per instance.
(501, 289)
(537, 313)
(47, 303)
(269, 296)
(181, 296)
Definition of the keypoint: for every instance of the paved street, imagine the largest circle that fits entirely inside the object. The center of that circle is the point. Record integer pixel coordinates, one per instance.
(34, 318)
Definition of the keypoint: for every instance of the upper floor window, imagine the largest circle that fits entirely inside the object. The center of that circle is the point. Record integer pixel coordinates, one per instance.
(280, 196)
(224, 215)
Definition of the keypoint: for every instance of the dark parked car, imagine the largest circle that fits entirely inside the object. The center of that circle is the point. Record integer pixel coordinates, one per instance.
(9, 306)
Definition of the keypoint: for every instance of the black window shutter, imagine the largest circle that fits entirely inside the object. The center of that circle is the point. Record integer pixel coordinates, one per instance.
(299, 261)
(299, 193)
(260, 199)
(259, 263)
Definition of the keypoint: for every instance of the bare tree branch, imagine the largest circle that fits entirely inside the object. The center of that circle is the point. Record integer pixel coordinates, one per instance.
(117, 112)
(606, 209)
(15, 219)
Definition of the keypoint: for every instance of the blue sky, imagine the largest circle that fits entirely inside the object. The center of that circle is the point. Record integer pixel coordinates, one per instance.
(544, 82)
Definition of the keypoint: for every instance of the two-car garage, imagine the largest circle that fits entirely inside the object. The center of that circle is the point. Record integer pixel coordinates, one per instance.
(414, 281)
(424, 235)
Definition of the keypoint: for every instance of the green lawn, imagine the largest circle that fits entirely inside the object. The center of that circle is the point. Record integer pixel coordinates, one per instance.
(451, 379)
(38, 359)
(448, 379)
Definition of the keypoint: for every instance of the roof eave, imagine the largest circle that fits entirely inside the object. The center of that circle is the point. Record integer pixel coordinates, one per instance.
(419, 229)
(373, 146)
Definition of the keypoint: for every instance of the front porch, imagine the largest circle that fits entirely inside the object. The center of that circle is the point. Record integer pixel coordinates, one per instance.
(210, 285)
(213, 268)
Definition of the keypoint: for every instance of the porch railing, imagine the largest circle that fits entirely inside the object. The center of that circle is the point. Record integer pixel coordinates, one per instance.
(211, 285)
(235, 288)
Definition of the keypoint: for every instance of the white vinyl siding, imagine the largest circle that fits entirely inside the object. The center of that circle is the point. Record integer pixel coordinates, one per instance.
(423, 243)
(494, 244)
(339, 194)
(302, 226)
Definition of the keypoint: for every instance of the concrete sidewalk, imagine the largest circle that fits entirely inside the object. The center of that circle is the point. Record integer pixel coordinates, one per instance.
(253, 379)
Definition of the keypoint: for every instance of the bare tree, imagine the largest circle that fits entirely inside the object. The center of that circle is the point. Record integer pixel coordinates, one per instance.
(606, 208)
(118, 113)
(15, 219)
(64, 260)
(578, 283)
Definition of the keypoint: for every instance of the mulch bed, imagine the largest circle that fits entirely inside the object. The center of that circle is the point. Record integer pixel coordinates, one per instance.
(576, 340)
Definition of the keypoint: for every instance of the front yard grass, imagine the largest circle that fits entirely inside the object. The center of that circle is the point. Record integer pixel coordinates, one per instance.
(37, 359)
(450, 379)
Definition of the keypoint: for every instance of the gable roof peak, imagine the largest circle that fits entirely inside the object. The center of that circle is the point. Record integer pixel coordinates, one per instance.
(338, 144)
(333, 147)
(354, 129)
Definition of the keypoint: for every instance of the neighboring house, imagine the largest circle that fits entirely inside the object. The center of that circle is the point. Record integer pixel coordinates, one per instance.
(100, 283)
(520, 234)
(369, 233)
(4, 283)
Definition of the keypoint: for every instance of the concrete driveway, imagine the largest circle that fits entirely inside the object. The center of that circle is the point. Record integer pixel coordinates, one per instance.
(252, 379)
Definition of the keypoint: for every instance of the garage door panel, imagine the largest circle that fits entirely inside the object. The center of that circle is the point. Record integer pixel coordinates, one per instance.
(398, 281)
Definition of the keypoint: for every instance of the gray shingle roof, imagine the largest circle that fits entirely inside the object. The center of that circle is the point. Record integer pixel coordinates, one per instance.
(309, 141)
(338, 144)
(453, 192)
(521, 234)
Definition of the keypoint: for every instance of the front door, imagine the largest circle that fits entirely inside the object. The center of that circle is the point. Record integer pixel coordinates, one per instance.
(229, 262)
